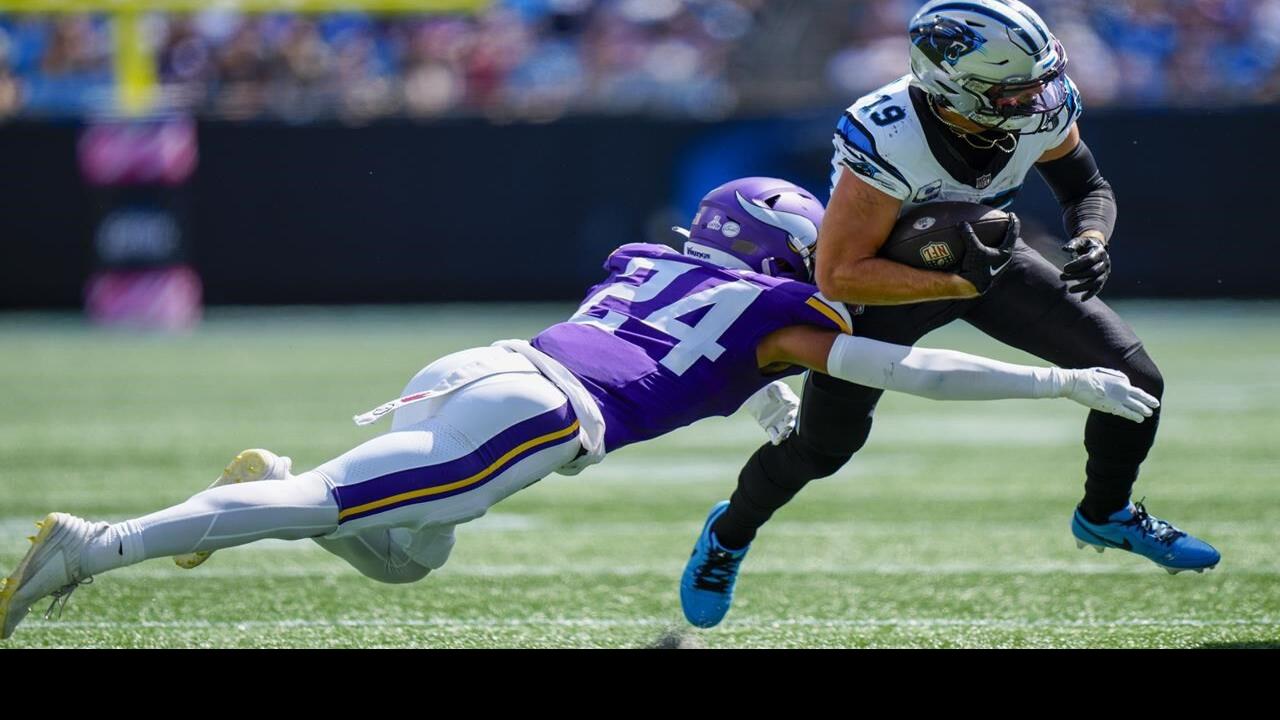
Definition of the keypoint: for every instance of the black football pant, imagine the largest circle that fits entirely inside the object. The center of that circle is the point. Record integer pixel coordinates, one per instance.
(1028, 308)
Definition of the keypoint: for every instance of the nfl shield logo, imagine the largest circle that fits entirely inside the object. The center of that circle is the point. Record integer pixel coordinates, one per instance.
(937, 255)
(983, 181)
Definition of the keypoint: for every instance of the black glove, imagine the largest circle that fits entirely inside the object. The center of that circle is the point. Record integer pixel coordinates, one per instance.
(1090, 269)
(982, 264)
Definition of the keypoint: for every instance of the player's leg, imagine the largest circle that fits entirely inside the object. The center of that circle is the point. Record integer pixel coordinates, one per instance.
(1030, 309)
(397, 554)
(69, 550)
(385, 484)
(397, 507)
(394, 555)
(253, 465)
(492, 438)
(381, 554)
(834, 423)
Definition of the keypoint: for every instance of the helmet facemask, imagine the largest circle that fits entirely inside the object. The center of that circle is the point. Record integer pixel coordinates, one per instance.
(1022, 108)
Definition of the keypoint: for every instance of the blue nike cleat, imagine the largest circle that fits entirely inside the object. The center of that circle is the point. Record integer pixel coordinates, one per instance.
(706, 589)
(1133, 529)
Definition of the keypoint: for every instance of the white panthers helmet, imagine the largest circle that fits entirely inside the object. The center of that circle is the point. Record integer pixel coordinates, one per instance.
(992, 61)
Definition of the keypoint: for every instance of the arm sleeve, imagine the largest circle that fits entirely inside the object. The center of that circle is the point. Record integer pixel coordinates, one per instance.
(940, 374)
(1088, 202)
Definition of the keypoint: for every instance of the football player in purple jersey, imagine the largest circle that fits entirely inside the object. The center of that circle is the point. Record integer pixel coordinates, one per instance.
(668, 338)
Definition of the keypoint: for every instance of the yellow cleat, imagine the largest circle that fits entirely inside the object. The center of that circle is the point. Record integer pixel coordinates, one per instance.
(249, 466)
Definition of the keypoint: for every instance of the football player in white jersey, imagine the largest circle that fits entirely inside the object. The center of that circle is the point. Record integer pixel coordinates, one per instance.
(986, 100)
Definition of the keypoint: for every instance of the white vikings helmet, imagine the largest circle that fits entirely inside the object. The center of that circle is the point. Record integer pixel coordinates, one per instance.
(992, 61)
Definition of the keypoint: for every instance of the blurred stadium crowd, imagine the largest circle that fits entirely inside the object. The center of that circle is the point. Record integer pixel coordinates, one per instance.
(541, 59)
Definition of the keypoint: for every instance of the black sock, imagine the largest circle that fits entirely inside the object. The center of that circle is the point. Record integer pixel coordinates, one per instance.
(1117, 446)
(762, 488)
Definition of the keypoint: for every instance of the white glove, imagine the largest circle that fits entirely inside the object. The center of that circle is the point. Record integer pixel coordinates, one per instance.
(1109, 391)
(775, 407)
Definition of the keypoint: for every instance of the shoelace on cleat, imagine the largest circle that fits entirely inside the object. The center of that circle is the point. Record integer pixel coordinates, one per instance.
(61, 595)
(717, 572)
(1160, 530)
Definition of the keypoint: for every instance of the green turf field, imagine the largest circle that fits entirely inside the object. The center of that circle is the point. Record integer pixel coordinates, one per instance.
(950, 529)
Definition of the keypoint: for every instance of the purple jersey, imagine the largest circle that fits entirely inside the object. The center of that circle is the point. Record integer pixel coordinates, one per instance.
(669, 339)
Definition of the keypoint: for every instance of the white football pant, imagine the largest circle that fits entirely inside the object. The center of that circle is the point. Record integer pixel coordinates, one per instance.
(389, 506)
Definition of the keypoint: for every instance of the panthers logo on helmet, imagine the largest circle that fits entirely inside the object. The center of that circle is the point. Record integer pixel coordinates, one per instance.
(942, 38)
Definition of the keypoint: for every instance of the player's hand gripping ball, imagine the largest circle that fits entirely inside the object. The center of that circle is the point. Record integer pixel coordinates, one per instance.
(974, 241)
(982, 264)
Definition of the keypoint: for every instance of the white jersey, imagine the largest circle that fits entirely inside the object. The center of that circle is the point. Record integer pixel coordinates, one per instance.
(880, 139)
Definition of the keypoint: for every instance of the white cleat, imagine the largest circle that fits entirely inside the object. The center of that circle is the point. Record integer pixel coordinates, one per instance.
(249, 466)
(51, 567)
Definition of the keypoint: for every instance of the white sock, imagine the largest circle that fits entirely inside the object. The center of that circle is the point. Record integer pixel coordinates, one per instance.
(120, 545)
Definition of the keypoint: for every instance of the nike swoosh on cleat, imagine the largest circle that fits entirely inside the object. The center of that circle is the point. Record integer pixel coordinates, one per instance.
(1123, 545)
(993, 271)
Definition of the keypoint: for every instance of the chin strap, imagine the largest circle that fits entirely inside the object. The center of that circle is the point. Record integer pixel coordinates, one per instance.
(968, 136)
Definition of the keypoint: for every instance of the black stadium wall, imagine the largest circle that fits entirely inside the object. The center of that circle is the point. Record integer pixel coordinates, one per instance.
(471, 210)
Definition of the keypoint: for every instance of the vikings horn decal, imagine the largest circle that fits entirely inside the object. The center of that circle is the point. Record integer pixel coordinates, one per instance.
(803, 233)
(943, 38)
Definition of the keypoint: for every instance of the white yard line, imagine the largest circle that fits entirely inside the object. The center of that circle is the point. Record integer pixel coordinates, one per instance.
(233, 570)
(479, 624)
(13, 528)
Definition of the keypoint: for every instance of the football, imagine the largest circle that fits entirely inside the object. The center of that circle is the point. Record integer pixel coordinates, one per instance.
(928, 238)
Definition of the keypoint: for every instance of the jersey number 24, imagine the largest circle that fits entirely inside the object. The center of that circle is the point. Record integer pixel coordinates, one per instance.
(645, 279)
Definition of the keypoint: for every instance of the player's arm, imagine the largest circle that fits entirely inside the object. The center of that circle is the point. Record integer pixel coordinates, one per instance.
(948, 374)
(859, 219)
(1088, 211)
